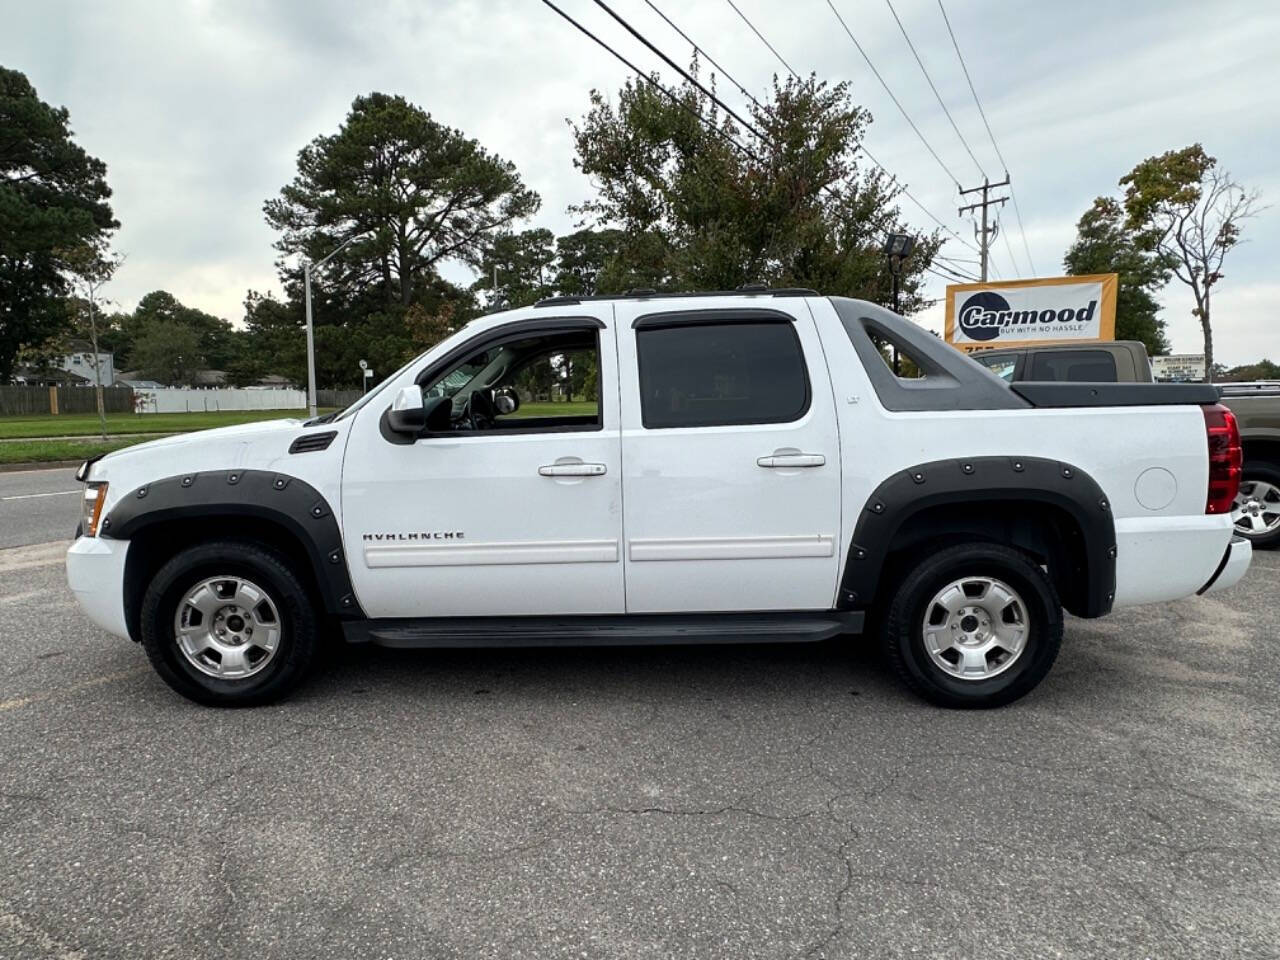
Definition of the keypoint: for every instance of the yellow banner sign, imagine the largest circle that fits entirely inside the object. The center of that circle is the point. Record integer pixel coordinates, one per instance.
(1015, 313)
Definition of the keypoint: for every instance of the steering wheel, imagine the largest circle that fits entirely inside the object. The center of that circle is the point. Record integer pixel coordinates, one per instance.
(481, 412)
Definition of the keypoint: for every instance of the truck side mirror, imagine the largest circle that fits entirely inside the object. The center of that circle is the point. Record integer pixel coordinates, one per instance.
(407, 413)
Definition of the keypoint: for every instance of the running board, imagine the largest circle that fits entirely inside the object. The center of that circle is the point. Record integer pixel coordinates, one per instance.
(604, 631)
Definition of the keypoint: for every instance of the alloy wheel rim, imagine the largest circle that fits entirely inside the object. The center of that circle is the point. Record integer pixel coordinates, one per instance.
(975, 628)
(227, 627)
(1256, 508)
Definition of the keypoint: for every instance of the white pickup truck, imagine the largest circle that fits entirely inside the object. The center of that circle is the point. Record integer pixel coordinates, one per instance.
(746, 466)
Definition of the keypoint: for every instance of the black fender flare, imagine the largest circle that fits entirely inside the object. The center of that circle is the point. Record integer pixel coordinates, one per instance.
(275, 497)
(973, 479)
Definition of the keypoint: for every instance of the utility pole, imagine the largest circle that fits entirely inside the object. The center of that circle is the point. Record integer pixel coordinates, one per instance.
(987, 233)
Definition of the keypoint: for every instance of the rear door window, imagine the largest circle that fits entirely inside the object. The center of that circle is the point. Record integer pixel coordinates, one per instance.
(1075, 366)
(720, 374)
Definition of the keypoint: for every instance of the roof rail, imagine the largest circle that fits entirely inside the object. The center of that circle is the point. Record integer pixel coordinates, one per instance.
(644, 293)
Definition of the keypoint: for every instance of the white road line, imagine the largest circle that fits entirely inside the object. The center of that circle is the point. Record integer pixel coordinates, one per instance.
(32, 496)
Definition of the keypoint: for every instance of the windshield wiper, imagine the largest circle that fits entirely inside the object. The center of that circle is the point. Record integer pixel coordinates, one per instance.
(324, 418)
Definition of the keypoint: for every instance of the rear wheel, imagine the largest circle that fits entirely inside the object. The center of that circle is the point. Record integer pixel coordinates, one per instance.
(975, 625)
(228, 623)
(1256, 510)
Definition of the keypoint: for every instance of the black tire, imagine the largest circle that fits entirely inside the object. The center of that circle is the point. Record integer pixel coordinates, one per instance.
(904, 624)
(265, 567)
(1261, 470)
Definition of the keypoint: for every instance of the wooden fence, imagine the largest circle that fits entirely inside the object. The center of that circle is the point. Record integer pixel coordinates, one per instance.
(17, 401)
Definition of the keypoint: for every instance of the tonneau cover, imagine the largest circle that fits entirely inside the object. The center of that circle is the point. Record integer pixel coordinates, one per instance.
(1057, 394)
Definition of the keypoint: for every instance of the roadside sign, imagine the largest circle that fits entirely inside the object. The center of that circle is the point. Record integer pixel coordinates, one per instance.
(364, 364)
(1178, 367)
(1011, 313)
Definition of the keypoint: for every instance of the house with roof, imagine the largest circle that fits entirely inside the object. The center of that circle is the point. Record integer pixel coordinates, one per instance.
(81, 361)
(75, 368)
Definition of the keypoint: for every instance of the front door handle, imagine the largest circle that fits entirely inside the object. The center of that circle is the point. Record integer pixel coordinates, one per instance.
(572, 470)
(791, 460)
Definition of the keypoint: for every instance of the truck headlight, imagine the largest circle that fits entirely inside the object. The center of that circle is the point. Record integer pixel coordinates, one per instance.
(95, 494)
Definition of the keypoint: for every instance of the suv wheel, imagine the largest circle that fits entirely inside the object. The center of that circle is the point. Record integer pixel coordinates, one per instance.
(976, 625)
(1256, 510)
(228, 623)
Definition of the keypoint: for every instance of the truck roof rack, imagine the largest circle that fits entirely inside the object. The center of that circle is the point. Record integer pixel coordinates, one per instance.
(644, 293)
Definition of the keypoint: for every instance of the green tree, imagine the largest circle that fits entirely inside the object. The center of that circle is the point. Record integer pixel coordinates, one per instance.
(92, 268)
(524, 263)
(697, 212)
(1105, 244)
(53, 198)
(1184, 207)
(417, 193)
(273, 341)
(168, 352)
(215, 336)
(1262, 370)
(581, 258)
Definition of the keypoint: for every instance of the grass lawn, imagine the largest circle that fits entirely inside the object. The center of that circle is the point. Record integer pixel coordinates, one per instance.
(81, 424)
(556, 408)
(44, 451)
(21, 448)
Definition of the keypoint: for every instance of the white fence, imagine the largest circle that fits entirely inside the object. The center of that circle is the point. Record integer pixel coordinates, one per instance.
(183, 400)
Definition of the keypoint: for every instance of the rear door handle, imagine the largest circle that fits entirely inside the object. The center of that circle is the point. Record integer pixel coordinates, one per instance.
(791, 460)
(572, 470)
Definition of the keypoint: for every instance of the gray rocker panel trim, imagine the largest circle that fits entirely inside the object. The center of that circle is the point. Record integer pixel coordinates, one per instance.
(946, 482)
(296, 506)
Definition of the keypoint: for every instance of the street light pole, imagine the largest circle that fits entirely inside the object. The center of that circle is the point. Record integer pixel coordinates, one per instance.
(897, 247)
(311, 336)
(311, 345)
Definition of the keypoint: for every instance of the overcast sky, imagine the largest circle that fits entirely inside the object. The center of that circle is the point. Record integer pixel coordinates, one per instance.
(199, 107)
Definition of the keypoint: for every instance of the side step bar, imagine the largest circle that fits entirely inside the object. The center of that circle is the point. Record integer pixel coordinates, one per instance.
(595, 631)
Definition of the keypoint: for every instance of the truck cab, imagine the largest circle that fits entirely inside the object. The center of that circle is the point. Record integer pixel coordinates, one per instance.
(1115, 361)
(649, 468)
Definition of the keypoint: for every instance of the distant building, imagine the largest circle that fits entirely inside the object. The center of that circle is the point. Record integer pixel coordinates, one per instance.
(81, 361)
(134, 380)
(74, 369)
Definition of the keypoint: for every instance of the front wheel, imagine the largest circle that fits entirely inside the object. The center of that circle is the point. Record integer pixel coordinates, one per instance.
(228, 623)
(975, 625)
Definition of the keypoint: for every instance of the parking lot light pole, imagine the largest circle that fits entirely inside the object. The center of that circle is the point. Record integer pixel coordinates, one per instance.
(897, 247)
(311, 336)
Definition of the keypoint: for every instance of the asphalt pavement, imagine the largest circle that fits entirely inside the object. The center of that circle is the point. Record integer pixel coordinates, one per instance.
(726, 802)
(38, 506)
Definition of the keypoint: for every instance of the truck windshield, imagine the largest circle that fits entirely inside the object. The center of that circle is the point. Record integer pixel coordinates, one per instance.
(1002, 367)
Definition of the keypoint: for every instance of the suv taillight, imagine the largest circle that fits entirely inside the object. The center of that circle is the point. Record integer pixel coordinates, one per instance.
(1225, 457)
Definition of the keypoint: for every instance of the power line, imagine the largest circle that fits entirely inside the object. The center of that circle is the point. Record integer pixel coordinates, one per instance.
(761, 36)
(711, 60)
(1021, 229)
(1008, 248)
(649, 80)
(951, 276)
(938, 96)
(896, 103)
(862, 146)
(982, 113)
(948, 275)
(675, 66)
